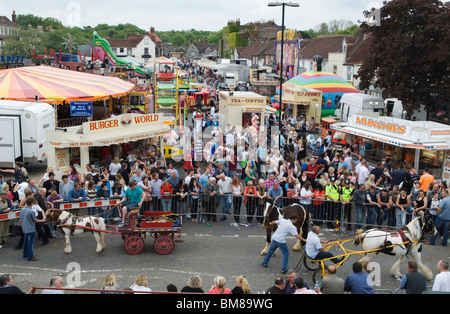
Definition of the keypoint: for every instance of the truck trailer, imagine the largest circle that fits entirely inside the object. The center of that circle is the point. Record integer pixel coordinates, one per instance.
(23, 127)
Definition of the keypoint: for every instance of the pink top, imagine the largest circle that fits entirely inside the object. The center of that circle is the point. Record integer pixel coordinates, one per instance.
(304, 291)
(219, 291)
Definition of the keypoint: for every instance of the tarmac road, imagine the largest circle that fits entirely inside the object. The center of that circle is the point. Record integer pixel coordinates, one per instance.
(221, 249)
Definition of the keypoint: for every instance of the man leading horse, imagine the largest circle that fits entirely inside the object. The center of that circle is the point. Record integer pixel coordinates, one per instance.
(284, 228)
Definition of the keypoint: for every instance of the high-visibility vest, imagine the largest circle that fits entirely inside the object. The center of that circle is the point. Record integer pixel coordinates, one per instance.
(346, 193)
(333, 191)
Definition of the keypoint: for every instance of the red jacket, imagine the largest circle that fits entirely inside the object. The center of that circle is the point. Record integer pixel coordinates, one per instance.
(168, 189)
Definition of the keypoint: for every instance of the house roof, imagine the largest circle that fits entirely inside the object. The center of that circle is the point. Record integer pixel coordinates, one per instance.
(202, 47)
(129, 42)
(325, 44)
(258, 48)
(4, 20)
(361, 50)
(133, 40)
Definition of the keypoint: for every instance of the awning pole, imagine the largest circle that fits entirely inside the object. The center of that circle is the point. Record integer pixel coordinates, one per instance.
(416, 159)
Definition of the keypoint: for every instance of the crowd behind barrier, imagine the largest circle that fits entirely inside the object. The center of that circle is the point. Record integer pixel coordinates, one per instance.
(212, 195)
(234, 177)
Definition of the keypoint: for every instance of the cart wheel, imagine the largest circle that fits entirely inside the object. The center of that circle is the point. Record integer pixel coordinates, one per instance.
(163, 245)
(310, 265)
(317, 276)
(134, 245)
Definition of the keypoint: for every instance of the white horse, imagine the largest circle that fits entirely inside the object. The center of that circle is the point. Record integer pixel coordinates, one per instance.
(397, 243)
(68, 225)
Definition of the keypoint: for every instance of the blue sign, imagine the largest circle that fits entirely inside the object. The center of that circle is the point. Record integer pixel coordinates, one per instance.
(81, 109)
(12, 59)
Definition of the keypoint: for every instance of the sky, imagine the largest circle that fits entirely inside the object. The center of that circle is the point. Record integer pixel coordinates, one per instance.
(208, 15)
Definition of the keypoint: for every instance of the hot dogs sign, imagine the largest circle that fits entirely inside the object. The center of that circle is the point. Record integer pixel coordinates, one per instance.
(122, 121)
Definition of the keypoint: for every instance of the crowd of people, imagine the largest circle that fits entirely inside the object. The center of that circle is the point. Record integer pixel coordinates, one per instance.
(357, 282)
(237, 173)
(235, 177)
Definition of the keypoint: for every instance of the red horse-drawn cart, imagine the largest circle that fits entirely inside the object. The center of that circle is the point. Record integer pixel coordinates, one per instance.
(164, 227)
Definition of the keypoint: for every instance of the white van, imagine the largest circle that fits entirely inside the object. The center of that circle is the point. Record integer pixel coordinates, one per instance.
(394, 108)
(23, 128)
(352, 103)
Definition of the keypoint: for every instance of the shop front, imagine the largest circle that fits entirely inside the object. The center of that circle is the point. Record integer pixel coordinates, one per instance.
(139, 130)
(418, 144)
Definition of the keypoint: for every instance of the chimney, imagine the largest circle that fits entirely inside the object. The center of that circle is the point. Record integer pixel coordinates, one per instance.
(152, 30)
(14, 17)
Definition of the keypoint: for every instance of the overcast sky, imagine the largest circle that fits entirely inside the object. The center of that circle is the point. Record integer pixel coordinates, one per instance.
(210, 15)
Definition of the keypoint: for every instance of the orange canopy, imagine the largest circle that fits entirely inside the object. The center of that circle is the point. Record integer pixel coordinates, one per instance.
(50, 83)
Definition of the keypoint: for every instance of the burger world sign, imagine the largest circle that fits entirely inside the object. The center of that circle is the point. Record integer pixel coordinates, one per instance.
(120, 122)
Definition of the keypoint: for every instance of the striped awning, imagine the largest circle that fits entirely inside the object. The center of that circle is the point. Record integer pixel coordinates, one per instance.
(50, 83)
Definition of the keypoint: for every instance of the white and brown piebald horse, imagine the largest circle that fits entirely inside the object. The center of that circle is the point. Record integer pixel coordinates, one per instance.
(70, 225)
(273, 212)
(402, 242)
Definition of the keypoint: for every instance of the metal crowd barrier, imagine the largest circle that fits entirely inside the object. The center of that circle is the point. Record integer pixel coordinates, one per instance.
(334, 215)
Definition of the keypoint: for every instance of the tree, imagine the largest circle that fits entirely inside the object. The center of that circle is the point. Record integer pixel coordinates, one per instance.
(23, 43)
(409, 55)
(29, 19)
(178, 40)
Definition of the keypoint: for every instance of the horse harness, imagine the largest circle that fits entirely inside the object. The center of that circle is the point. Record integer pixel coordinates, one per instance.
(73, 226)
(405, 245)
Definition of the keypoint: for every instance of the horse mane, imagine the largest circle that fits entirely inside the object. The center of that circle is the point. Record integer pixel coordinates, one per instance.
(415, 229)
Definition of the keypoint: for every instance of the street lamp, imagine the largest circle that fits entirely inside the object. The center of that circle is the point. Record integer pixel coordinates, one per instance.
(283, 5)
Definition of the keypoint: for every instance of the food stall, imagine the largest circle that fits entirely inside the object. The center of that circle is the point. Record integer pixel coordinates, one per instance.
(305, 102)
(418, 144)
(117, 130)
(239, 108)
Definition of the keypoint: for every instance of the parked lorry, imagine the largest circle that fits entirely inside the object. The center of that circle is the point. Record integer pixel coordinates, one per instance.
(23, 127)
(229, 80)
(394, 108)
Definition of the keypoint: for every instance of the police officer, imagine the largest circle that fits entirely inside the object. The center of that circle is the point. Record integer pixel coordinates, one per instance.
(332, 197)
(346, 198)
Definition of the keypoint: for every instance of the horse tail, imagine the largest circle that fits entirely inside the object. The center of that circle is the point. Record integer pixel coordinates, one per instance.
(305, 227)
(359, 238)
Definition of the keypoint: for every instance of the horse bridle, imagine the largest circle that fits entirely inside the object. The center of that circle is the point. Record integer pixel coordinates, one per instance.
(279, 210)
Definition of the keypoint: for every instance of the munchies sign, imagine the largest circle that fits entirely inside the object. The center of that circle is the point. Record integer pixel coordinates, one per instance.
(380, 126)
(420, 131)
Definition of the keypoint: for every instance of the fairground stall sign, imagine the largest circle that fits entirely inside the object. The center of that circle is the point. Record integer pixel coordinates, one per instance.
(117, 130)
(417, 135)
